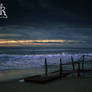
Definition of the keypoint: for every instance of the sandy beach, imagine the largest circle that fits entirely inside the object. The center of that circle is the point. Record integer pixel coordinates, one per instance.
(61, 85)
(9, 83)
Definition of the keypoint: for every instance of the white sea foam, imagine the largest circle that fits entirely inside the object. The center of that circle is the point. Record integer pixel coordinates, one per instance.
(29, 61)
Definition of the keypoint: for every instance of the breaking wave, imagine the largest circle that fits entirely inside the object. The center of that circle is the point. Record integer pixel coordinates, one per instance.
(29, 61)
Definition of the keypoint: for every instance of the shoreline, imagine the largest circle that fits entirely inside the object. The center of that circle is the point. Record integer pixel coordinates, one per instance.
(9, 75)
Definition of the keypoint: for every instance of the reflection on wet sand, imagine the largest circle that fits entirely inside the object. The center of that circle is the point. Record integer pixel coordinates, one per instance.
(18, 74)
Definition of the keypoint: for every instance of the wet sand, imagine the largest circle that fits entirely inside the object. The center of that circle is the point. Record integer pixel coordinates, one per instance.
(8, 75)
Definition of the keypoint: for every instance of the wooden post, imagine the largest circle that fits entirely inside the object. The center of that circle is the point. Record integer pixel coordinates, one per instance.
(46, 68)
(78, 71)
(73, 63)
(61, 67)
(83, 62)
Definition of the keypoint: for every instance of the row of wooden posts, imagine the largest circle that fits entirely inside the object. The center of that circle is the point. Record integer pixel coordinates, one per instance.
(78, 63)
(59, 73)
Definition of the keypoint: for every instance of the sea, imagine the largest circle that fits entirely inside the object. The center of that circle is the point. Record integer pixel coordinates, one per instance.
(12, 58)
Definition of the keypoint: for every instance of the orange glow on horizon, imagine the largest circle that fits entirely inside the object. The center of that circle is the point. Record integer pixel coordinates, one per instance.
(5, 42)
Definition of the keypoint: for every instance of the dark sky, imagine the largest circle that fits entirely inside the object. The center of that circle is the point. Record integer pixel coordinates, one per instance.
(48, 19)
(79, 11)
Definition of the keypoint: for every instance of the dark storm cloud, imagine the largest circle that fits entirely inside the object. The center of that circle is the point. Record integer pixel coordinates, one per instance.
(74, 5)
(48, 19)
(29, 11)
(46, 32)
(77, 6)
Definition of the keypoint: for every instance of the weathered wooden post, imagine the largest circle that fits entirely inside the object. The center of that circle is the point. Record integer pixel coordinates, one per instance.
(83, 62)
(46, 68)
(78, 71)
(61, 67)
(73, 63)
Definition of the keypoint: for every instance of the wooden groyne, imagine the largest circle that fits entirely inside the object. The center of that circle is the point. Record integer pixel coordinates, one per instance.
(61, 73)
(81, 66)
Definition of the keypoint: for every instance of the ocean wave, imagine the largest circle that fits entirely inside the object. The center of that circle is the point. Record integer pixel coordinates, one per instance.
(29, 61)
